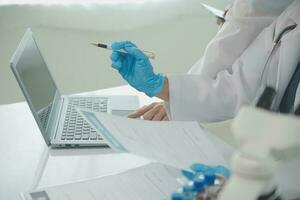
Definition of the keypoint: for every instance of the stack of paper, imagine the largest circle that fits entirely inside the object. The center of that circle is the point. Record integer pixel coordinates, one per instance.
(150, 182)
(178, 144)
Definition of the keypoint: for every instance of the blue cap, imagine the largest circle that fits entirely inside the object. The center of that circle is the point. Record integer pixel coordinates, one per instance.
(188, 188)
(199, 185)
(177, 196)
(223, 171)
(209, 178)
(187, 174)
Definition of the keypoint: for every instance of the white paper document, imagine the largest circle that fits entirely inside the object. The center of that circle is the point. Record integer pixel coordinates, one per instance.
(151, 182)
(178, 144)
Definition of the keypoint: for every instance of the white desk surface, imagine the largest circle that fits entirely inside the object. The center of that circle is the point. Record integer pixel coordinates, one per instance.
(23, 150)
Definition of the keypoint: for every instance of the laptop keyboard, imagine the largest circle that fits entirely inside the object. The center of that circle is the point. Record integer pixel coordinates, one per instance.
(75, 127)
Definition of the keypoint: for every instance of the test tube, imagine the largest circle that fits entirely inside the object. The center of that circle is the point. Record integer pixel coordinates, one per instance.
(177, 196)
(199, 185)
(188, 192)
(210, 189)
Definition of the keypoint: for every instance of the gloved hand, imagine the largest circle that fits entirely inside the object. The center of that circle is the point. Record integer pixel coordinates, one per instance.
(136, 68)
(201, 169)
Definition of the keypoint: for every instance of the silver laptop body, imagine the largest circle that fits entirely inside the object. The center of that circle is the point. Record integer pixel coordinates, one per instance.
(59, 122)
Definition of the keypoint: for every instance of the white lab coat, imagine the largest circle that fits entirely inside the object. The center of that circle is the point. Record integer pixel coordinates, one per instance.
(232, 64)
(229, 74)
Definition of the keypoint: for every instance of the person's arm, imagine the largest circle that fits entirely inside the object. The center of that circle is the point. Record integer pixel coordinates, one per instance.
(197, 97)
(154, 111)
(217, 92)
(164, 94)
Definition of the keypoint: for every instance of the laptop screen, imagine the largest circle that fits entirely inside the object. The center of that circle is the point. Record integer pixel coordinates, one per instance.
(36, 81)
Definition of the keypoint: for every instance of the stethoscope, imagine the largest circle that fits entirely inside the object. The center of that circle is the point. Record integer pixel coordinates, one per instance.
(276, 43)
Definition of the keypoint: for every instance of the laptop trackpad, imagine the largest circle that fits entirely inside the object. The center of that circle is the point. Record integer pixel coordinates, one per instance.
(123, 105)
(122, 113)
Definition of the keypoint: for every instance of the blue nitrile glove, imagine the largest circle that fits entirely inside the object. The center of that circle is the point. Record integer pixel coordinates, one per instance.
(200, 169)
(136, 68)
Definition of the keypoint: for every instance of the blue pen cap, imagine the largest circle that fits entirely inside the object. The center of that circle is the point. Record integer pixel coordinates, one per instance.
(209, 178)
(177, 196)
(188, 188)
(199, 185)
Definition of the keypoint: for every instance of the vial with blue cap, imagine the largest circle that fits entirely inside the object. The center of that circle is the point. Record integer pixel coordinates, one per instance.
(209, 178)
(199, 185)
(177, 196)
(211, 189)
(188, 192)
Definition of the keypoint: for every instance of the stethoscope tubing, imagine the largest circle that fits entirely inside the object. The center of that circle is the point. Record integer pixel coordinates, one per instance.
(276, 42)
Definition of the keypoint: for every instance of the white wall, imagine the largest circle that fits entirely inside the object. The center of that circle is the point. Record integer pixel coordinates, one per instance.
(176, 30)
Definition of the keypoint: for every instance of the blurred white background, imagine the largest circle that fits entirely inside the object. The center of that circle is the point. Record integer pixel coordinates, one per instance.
(176, 30)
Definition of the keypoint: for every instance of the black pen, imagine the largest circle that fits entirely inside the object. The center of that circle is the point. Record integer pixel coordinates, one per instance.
(105, 46)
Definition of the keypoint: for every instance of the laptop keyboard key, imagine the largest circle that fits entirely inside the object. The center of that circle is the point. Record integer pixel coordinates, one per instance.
(75, 127)
(77, 137)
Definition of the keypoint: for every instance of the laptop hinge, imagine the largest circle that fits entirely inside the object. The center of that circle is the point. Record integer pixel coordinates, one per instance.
(55, 116)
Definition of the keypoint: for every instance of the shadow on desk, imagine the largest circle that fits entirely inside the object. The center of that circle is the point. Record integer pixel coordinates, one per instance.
(80, 151)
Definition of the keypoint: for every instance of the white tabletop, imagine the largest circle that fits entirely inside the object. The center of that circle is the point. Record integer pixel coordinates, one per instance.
(26, 161)
(24, 154)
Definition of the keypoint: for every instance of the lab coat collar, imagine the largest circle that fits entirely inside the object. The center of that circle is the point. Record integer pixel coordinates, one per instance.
(288, 17)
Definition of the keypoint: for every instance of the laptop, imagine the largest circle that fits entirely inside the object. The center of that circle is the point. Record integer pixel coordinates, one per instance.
(56, 115)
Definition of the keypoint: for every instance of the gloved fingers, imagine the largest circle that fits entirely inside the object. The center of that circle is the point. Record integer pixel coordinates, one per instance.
(121, 45)
(187, 174)
(198, 167)
(115, 56)
(201, 168)
(128, 47)
(222, 171)
(139, 112)
(116, 59)
(134, 51)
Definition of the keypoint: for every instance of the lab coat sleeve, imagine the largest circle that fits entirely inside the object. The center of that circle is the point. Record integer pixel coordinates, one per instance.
(216, 93)
(198, 97)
